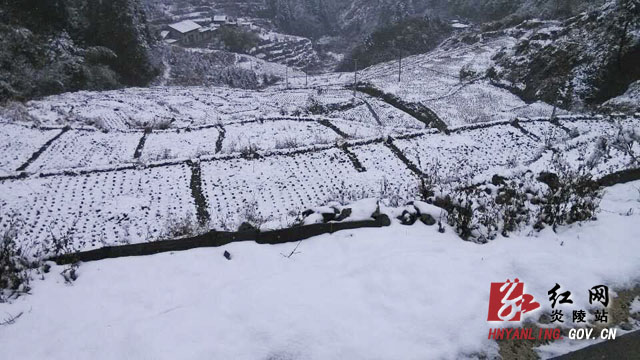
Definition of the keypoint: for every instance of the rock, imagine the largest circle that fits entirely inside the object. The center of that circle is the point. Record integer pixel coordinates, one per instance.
(227, 255)
(498, 180)
(246, 227)
(427, 219)
(345, 213)
(307, 213)
(326, 217)
(383, 219)
(550, 179)
(407, 218)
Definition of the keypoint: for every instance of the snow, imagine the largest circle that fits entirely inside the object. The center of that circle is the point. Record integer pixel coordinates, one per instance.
(457, 25)
(391, 293)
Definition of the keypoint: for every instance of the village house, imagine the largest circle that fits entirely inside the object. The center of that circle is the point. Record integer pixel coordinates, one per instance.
(186, 32)
(220, 19)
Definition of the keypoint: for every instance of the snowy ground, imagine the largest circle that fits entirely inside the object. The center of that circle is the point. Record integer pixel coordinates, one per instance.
(393, 293)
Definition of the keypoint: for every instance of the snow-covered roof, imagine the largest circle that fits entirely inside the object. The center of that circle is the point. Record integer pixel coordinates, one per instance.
(164, 34)
(458, 25)
(185, 26)
(170, 41)
(220, 18)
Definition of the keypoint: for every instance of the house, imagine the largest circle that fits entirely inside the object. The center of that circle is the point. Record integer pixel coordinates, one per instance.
(185, 32)
(220, 19)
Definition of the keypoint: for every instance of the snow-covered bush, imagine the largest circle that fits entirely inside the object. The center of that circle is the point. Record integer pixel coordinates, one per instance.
(287, 143)
(16, 111)
(467, 73)
(14, 266)
(252, 215)
(628, 142)
(344, 195)
(572, 196)
(514, 211)
(177, 227)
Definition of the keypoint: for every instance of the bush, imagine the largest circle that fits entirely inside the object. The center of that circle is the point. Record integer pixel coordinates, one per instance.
(238, 40)
(479, 212)
(14, 266)
(467, 73)
(572, 196)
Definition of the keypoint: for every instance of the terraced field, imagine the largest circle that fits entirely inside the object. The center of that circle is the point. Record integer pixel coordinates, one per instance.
(90, 185)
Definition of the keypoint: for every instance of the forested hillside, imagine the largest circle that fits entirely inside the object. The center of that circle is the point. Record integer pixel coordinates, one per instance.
(580, 62)
(53, 46)
(359, 18)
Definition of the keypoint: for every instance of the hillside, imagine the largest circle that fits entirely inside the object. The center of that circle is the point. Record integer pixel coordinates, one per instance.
(57, 46)
(580, 62)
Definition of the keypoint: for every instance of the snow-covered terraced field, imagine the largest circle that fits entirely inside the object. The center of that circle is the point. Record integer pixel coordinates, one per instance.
(359, 130)
(18, 142)
(181, 144)
(434, 79)
(87, 149)
(101, 208)
(474, 154)
(137, 203)
(180, 107)
(375, 112)
(275, 188)
(278, 134)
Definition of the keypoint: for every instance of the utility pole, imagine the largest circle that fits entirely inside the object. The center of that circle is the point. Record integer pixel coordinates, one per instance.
(287, 76)
(355, 77)
(306, 77)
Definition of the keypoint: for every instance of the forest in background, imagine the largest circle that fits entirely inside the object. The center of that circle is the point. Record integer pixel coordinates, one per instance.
(54, 46)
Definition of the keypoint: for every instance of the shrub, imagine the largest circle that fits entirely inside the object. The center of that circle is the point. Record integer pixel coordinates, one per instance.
(572, 196)
(14, 266)
(177, 227)
(287, 143)
(252, 215)
(238, 40)
(467, 73)
(626, 141)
